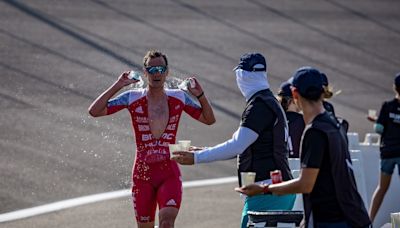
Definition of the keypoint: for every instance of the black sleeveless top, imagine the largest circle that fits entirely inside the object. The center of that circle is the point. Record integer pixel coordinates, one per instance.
(264, 115)
(339, 174)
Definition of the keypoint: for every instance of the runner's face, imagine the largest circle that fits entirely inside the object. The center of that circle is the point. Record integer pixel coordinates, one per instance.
(157, 79)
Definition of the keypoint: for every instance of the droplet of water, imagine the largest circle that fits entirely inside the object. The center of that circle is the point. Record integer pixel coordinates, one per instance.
(184, 86)
(173, 82)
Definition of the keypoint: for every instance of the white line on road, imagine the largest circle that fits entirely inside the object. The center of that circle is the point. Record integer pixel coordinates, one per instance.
(61, 205)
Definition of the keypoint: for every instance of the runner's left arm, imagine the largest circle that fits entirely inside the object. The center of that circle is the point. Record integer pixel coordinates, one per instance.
(207, 115)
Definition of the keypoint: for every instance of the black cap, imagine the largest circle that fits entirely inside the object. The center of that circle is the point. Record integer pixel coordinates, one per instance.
(252, 62)
(324, 79)
(308, 82)
(284, 89)
(397, 80)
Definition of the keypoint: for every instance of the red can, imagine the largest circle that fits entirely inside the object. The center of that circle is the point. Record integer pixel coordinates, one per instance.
(276, 176)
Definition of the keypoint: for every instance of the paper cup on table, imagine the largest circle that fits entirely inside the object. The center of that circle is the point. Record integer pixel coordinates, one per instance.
(172, 148)
(185, 144)
(247, 178)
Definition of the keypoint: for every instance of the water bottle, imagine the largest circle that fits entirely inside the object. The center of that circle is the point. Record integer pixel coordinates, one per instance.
(177, 83)
(184, 86)
(136, 76)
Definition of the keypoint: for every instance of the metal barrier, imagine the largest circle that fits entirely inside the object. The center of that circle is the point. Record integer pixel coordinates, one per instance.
(371, 169)
(275, 218)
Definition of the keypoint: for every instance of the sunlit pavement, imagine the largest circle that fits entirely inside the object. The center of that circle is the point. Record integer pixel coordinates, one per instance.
(57, 57)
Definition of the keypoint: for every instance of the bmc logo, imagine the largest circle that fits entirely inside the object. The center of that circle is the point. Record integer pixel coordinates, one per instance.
(168, 136)
(146, 137)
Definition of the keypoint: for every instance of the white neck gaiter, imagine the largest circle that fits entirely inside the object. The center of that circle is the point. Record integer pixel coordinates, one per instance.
(251, 82)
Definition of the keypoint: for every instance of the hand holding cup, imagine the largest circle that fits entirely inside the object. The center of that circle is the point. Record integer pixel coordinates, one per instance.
(372, 115)
(250, 190)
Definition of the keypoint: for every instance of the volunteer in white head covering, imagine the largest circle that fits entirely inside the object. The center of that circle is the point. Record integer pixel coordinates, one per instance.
(250, 82)
(260, 142)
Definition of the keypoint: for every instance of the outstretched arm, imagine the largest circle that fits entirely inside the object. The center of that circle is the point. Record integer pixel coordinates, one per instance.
(303, 184)
(240, 140)
(99, 106)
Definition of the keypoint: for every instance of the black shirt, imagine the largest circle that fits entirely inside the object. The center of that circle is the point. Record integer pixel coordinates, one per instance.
(258, 116)
(296, 126)
(265, 116)
(389, 117)
(315, 154)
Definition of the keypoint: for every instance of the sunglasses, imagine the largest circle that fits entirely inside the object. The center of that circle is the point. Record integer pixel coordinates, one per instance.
(156, 69)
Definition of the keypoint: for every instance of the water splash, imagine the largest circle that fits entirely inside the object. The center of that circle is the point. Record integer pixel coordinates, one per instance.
(171, 82)
(182, 84)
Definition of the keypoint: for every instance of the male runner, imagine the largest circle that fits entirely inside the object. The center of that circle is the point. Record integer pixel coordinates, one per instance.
(155, 113)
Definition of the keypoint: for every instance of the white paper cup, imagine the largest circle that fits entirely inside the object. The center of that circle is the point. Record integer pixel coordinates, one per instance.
(371, 112)
(185, 144)
(247, 178)
(395, 219)
(172, 148)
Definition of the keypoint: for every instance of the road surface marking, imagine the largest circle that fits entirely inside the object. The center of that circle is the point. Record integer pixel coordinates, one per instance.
(64, 204)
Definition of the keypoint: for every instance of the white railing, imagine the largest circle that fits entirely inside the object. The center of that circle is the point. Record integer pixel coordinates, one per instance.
(366, 165)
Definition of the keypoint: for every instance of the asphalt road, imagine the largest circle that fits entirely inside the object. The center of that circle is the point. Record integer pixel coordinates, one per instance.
(57, 56)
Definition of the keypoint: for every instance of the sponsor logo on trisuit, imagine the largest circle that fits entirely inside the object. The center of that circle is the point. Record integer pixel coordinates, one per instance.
(171, 202)
(139, 109)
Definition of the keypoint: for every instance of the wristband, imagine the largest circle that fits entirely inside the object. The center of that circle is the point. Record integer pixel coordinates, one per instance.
(266, 189)
(201, 94)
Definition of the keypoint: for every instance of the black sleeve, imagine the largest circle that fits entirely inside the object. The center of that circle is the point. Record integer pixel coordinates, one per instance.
(258, 116)
(383, 114)
(314, 146)
(296, 128)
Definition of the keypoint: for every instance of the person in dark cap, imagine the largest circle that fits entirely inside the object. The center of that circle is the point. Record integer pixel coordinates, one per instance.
(260, 142)
(388, 126)
(294, 118)
(326, 178)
